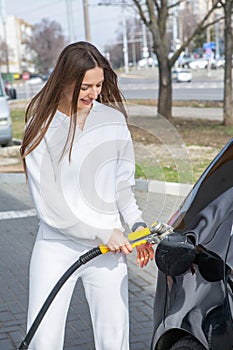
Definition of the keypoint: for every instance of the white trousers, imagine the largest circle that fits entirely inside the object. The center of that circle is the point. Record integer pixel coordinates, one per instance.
(105, 282)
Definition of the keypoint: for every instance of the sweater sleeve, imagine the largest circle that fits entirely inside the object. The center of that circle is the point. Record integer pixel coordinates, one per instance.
(125, 179)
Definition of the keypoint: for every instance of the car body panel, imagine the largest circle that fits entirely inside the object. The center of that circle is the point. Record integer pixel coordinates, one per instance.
(5, 118)
(182, 75)
(189, 304)
(200, 63)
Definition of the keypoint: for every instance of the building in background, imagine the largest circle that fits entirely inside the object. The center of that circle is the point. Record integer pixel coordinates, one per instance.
(16, 33)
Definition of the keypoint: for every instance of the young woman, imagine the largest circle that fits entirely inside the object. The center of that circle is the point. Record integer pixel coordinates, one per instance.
(79, 161)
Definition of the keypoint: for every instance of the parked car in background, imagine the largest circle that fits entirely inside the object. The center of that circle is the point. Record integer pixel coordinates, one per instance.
(200, 63)
(5, 118)
(182, 75)
(184, 60)
(218, 63)
(10, 91)
(147, 62)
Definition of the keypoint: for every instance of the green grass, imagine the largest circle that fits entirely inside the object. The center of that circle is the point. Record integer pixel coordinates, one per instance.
(17, 117)
(167, 172)
(162, 173)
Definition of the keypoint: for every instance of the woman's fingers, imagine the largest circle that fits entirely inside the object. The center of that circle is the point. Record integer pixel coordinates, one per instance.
(126, 248)
(119, 243)
(145, 252)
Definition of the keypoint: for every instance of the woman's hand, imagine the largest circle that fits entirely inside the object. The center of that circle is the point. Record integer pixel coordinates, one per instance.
(119, 243)
(145, 252)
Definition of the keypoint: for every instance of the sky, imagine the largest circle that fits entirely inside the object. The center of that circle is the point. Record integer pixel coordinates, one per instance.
(104, 20)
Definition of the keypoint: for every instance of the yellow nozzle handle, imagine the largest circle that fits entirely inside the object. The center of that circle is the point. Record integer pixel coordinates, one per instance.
(138, 234)
(133, 236)
(136, 244)
(104, 249)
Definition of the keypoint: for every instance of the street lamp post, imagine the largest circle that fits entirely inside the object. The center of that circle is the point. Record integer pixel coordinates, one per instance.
(3, 18)
(124, 30)
(86, 21)
(145, 51)
(125, 42)
(70, 20)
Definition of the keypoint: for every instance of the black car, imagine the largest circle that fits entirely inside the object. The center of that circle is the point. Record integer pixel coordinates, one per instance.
(194, 295)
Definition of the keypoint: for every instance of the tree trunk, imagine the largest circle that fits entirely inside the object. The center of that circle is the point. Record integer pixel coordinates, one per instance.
(165, 89)
(227, 105)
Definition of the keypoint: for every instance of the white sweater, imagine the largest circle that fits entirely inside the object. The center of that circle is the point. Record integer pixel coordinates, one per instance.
(83, 199)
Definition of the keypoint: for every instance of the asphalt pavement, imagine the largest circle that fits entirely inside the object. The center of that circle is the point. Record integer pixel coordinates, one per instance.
(202, 113)
(18, 226)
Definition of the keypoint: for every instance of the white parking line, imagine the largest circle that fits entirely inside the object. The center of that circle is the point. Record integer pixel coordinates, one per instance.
(7, 215)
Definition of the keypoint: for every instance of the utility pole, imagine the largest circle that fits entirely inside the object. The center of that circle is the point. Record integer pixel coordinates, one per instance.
(86, 21)
(208, 42)
(216, 28)
(3, 18)
(70, 20)
(124, 29)
(145, 52)
(125, 42)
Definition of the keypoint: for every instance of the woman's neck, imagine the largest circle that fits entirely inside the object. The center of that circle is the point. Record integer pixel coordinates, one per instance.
(64, 108)
(80, 116)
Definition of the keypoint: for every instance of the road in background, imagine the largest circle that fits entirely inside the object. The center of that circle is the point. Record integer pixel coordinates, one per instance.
(144, 84)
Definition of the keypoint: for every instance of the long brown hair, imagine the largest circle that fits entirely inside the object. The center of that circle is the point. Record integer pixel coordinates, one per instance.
(71, 66)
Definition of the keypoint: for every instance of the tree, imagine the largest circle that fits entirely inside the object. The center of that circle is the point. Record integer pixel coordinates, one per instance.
(115, 55)
(227, 104)
(5, 51)
(187, 21)
(47, 42)
(155, 14)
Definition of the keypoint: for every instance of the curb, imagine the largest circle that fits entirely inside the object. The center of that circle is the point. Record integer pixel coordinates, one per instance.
(162, 187)
(12, 178)
(153, 186)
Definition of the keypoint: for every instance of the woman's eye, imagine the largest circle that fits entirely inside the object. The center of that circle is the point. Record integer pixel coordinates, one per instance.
(84, 88)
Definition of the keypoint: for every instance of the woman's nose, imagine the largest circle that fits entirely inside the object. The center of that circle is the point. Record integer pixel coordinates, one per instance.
(94, 92)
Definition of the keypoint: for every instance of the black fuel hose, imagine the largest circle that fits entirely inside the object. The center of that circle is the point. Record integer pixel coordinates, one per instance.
(91, 254)
(136, 238)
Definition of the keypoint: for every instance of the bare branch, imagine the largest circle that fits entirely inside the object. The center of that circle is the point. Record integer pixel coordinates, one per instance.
(150, 6)
(156, 5)
(141, 12)
(199, 27)
(176, 4)
(154, 21)
(213, 22)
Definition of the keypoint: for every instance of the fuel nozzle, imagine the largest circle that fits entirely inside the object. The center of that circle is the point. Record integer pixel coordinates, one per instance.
(161, 229)
(158, 230)
(152, 234)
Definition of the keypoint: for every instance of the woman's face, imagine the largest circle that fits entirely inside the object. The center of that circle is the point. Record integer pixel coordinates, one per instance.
(91, 87)
(89, 91)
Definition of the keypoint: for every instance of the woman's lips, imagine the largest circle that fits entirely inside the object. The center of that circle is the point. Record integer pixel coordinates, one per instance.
(87, 102)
